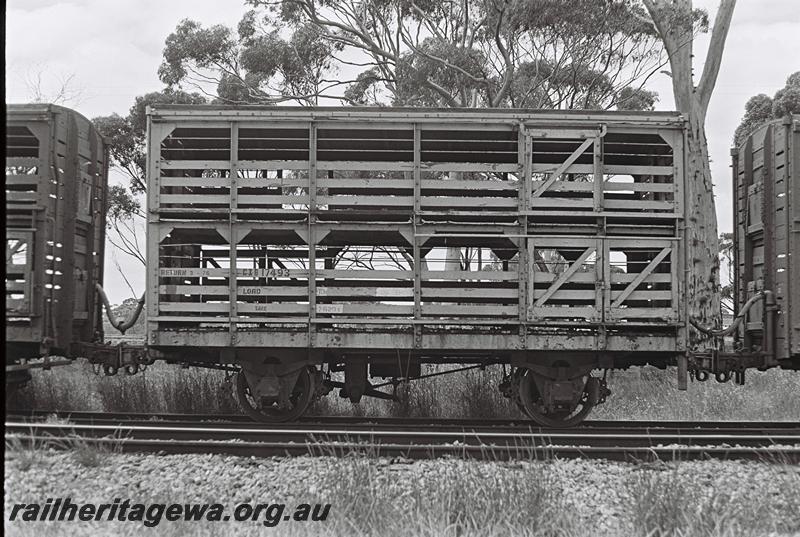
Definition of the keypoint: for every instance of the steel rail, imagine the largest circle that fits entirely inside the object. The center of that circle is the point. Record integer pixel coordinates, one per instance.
(420, 451)
(418, 443)
(767, 429)
(244, 421)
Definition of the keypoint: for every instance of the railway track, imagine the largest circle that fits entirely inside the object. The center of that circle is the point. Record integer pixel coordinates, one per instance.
(489, 439)
(244, 421)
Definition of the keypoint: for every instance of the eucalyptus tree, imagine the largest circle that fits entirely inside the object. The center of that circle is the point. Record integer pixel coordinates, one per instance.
(677, 22)
(762, 108)
(127, 152)
(452, 53)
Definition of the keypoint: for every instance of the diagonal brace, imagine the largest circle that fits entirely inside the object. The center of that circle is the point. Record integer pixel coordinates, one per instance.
(563, 167)
(641, 276)
(566, 275)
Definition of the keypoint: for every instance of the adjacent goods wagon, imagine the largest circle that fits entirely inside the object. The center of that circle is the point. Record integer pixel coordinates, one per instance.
(296, 242)
(56, 179)
(766, 182)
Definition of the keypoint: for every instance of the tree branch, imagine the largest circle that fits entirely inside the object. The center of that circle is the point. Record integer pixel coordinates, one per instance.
(509, 74)
(719, 33)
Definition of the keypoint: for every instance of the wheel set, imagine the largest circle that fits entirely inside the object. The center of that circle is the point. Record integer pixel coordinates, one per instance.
(546, 401)
(271, 409)
(533, 404)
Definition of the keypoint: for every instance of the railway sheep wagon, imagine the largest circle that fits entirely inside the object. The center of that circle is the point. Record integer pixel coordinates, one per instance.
(56, 178)
(300, 243)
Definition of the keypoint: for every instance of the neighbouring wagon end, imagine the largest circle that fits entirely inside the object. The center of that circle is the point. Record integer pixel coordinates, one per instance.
(56, 200)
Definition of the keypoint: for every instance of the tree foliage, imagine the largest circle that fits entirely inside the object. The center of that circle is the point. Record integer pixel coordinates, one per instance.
(254, 64)
(126, 135)
(121, 204)
(761, 109)
(454, 53)
(726, 247)
(127, 148)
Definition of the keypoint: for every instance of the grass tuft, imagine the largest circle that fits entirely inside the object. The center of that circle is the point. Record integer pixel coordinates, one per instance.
(480, 397)
(161, 388)
(416, 399)
(667, 504)
(27, 453)
(644, 393)
(91, 452)
(648, 393)
(457, 498)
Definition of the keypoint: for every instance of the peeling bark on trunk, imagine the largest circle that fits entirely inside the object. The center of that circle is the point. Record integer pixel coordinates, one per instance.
(703, 283)
(673, 20)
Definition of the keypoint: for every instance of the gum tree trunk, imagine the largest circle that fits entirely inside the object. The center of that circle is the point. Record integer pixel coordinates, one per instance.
(674, 22)
(703, 283)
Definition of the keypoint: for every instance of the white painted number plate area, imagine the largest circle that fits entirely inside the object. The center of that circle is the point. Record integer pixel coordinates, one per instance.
(330, 308)
(221, 273)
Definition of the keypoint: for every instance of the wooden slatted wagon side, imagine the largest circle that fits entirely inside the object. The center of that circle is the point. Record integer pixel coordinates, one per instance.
(299, 241)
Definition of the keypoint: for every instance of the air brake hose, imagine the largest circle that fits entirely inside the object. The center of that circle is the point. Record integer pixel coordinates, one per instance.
(722, 332)
(122, 326)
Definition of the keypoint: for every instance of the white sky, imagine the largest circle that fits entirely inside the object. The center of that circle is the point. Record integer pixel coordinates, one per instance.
(113, 49)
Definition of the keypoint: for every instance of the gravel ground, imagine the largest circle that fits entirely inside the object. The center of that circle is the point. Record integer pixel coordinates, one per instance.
(601, 495)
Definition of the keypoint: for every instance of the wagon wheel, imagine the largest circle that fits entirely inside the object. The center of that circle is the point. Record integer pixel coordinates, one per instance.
(268, 410)
(533, 407)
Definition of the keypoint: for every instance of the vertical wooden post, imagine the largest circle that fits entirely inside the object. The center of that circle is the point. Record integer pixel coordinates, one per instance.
(525, 273)
(737, 208)
(46, 224)
(155, 133)
(768, 209)
(42, 232)
(233, 283)
(312, 233)
(416, 246)
(792, 210)
(602, 255)
(598, 174)
(746, 275)
(680, 252)
(65, 244)
(100, 250)
(603, 289)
